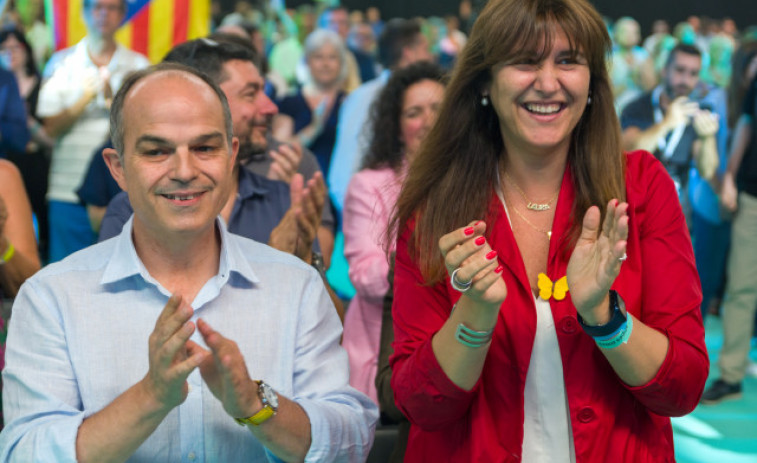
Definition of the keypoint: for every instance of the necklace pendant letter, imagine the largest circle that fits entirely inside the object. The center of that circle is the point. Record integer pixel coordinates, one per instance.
(537, 206)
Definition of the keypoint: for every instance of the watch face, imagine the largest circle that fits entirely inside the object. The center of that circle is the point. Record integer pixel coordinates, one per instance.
(270, 396)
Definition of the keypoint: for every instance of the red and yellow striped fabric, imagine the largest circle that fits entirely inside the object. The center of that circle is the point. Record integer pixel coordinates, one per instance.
(152, 27)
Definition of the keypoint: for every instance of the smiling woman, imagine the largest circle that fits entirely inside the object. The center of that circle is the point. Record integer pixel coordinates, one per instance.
(521, 220)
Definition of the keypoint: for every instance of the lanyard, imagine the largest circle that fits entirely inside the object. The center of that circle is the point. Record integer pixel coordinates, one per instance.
(667, 146)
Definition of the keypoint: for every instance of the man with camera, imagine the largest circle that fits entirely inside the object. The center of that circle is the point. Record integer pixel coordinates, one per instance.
(673, 122)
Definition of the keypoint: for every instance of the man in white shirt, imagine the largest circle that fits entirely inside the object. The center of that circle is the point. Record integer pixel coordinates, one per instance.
(74, 102)
(105, 381)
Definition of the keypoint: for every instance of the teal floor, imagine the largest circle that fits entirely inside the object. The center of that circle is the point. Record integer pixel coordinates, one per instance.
(722, 433)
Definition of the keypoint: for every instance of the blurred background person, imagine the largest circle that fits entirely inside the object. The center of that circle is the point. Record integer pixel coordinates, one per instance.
(74, 105)
(362, 38)
(401, 44)
(34, 160)
(373, 17)
(626, 62)
(452, 43)
(361, 66)
(310, 116)
(660, 29)
(739, 196)
(18, 247)
(401, 116)
(14, 134)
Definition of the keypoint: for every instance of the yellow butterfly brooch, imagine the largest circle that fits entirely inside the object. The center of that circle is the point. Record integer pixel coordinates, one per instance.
(558, 290)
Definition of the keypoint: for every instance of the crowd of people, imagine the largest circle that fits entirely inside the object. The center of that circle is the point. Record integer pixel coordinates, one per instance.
(319, 221)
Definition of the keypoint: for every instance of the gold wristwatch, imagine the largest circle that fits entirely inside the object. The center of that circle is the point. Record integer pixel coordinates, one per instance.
(270, 401)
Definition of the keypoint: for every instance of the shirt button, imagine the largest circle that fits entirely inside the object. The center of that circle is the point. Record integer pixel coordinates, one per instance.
(568, 325)
(191, 456)
(586, 415)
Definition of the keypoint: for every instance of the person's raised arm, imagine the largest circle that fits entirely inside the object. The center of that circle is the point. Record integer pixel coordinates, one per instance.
(677, 114)
(18, 248)
(706, 156)
(287, 435)
(592, 269)
(55, 125)
(469, 258)
(114, 433)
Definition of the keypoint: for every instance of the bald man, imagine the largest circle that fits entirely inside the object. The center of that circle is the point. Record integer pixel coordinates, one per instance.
(147, 344)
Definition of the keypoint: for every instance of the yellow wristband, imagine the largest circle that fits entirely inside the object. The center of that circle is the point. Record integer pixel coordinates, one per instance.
(8, 253)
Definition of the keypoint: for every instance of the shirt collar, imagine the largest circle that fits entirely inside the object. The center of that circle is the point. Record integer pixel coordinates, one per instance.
(125, 263)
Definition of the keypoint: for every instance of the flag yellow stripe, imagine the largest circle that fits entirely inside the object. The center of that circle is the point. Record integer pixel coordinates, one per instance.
(199, 19)
(161, 29)
(123, 35)
(76, 27)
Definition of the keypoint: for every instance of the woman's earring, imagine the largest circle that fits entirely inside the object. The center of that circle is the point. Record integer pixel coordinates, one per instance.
(588, 100)
(484, 100)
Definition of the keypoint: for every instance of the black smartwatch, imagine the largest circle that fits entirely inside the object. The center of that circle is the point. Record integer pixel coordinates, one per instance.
(617, 319)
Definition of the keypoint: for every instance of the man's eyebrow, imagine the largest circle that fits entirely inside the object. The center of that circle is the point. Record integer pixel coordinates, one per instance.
(208, 137)
(160, 141)
(255, 86)
(153, 139)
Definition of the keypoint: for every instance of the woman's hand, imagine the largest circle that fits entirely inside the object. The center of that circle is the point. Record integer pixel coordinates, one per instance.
(466, 249)
(595, 262)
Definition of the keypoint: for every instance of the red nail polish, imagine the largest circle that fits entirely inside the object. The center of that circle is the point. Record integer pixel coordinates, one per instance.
(480, 240)
(468, 231)
(478, 223)
(491, 255)
(499, 269)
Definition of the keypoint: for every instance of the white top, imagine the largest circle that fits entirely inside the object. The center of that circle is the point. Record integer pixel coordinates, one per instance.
(66, 73)
(547, 434)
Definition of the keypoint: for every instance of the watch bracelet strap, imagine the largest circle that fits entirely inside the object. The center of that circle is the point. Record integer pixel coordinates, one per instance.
(608, 329)
(258, 418)
(261, 415)
(620, 338)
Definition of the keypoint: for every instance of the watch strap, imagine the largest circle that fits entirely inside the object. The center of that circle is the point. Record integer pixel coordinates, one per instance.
(262, 415)
(617, 319)
(258, 418)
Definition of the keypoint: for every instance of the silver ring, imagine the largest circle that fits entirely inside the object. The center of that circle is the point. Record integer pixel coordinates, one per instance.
(623, 259)
(457, 285)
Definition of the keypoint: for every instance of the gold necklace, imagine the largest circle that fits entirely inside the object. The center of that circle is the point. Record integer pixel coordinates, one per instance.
(538, 207)
(546, 232)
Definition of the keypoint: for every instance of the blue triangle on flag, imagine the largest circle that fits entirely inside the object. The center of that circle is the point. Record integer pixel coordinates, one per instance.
(133, 7)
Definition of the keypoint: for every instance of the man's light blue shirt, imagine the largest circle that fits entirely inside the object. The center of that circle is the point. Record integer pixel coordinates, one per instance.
(352, 137)
(79, 338)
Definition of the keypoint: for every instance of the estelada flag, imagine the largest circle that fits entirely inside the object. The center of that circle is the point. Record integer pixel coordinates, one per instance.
(151, 27)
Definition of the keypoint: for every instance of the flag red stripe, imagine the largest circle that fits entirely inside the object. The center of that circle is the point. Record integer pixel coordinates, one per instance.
(140, 30)
(181, 21)
(60, 8)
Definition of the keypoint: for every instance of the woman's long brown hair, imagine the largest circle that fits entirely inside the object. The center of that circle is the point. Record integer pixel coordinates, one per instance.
(451, 181)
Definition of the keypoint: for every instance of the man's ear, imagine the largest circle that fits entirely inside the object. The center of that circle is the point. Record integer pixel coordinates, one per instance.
(234, 150)
(116, 167)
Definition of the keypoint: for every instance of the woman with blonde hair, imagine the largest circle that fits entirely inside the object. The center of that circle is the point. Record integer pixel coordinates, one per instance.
(546, 301)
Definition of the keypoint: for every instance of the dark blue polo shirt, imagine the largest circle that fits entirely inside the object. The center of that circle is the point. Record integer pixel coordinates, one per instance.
(98, 187)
